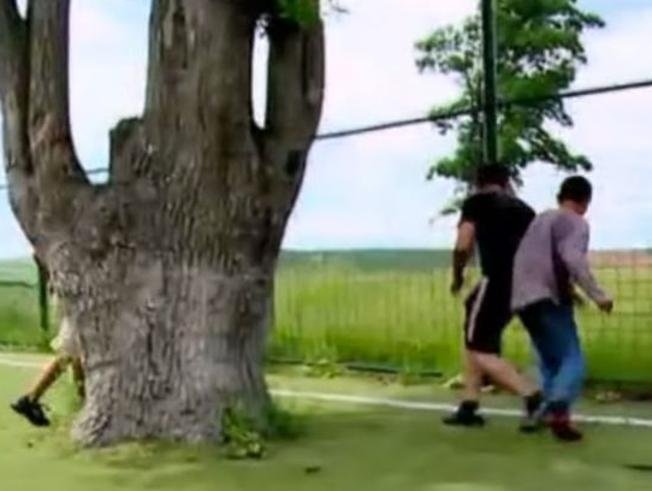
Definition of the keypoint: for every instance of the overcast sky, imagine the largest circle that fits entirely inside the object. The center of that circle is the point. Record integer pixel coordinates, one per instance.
(371, 191)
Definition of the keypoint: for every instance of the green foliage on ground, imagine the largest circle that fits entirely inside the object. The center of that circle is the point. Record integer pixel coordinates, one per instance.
(242, 438)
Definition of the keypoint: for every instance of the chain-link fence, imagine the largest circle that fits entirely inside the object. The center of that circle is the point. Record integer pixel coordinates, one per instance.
(21, 319)
(393, 310)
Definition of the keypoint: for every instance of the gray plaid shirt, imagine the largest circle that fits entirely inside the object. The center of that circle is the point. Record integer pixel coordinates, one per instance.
(552, 255)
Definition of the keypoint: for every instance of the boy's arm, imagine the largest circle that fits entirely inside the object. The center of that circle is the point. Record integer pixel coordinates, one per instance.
(577, 298)
(572, 244)
(463, 251)
(465, 242)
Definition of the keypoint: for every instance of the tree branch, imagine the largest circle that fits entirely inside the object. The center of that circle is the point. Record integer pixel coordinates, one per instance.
(14, 93)
(294, 102)
(295, 81)
(13, 81)
(42, 170)
(49, 116)
(127, 156)
(11, 34)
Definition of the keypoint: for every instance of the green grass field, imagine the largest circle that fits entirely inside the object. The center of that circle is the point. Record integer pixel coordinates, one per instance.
(19, 318)
(342, 447)
(392, 308)
(400, 313)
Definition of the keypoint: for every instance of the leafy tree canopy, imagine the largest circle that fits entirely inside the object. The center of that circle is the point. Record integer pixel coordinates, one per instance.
(539, 51)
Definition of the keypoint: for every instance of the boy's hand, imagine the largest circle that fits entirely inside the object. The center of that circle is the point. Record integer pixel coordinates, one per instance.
(606, 305)
(456, 286)
(578, 300)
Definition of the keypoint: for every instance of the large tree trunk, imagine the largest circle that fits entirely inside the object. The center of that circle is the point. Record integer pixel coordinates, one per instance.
(169, 346)
(168, 270)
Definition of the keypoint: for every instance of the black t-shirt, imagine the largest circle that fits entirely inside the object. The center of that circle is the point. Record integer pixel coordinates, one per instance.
(501, 221)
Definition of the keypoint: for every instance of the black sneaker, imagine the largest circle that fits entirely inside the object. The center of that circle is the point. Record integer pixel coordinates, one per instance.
(464, 419)
(466, 415)
(31, 410)
(535, 410)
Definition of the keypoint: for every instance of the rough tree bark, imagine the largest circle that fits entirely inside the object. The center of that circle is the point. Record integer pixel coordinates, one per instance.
(168, 269)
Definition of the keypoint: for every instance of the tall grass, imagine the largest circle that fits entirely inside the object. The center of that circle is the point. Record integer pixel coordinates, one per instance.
(19, 318)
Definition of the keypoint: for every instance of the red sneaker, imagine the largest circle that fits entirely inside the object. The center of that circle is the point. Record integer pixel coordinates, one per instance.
(561, 426)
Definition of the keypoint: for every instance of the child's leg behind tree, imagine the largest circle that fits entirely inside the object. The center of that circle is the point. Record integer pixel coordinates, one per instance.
(78, 376)
(47, 378)
(29, 405)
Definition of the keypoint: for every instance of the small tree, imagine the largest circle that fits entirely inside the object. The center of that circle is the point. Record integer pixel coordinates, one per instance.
(167, 270)
(539, 52)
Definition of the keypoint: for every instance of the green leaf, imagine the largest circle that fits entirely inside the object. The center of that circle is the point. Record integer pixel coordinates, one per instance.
(304, 12)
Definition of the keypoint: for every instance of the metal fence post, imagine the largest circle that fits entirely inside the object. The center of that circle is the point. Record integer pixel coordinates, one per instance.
(43, 303)
(490, 98)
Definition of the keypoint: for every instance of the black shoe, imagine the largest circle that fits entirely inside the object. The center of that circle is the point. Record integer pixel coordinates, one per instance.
(532, 423)
(466, 415)
(31, 410)
(461, 419)
(535, 410)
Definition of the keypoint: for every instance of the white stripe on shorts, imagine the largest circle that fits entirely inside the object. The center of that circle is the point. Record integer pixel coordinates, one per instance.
(475, 310)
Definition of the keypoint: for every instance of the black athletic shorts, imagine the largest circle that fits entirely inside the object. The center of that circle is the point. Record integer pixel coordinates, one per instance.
(488, 312)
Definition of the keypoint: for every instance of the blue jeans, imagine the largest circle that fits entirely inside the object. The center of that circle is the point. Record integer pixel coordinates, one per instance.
(553, 331)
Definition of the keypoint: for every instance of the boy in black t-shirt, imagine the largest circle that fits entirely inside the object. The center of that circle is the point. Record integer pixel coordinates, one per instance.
(495, 221)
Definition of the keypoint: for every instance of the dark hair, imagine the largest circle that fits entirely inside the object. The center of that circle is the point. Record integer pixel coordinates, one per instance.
(492, 174)
(577, 189)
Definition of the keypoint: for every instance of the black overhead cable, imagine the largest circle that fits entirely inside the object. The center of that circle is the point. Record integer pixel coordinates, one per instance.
(520, 101)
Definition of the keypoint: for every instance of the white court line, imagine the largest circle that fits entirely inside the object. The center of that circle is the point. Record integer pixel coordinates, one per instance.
(8, 362)
(444, 408)
(404, 404)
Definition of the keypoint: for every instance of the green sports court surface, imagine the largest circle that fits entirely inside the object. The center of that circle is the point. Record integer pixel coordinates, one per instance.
(344, 446)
